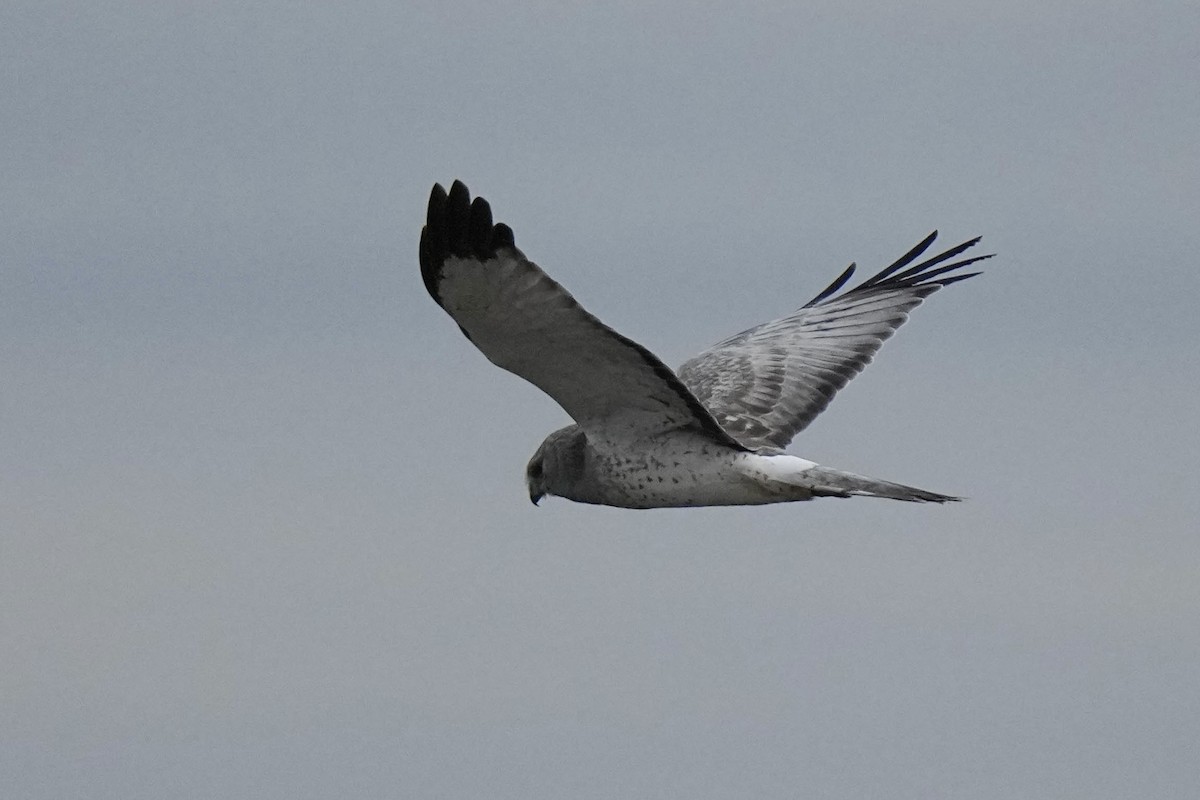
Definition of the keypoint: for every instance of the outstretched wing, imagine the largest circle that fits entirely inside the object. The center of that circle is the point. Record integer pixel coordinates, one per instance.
(766, 384)
(527, 324)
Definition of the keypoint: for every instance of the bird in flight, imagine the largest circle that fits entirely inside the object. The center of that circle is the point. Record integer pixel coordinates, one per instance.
(712, 433)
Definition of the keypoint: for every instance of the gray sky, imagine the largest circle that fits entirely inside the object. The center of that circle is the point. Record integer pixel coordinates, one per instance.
(263, 525)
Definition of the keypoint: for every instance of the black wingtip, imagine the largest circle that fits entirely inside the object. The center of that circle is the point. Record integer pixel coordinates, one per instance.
(928, 273)
(502, 236)
(838, 283)
(899, 275)
(456, 225)
(479, 228)
(437, 204)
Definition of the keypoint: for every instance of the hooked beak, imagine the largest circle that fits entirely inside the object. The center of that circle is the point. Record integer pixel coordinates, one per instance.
(535, 496)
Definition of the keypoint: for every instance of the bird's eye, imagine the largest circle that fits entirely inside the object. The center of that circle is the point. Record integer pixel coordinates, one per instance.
(535, 470)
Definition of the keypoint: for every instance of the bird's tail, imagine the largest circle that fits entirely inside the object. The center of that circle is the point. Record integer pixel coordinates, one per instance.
(828, 482)
(820, 481)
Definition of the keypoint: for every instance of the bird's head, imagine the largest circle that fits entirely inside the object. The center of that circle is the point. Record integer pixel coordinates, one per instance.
(557, 468)
(535, 476)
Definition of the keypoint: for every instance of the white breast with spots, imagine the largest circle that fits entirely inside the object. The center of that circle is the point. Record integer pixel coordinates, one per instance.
(685, 469)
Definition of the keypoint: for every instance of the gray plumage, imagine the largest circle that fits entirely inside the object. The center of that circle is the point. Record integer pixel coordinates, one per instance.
(646, 437)
(766, 384)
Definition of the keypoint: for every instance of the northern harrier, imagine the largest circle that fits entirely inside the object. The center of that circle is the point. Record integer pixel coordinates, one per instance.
(710, 434)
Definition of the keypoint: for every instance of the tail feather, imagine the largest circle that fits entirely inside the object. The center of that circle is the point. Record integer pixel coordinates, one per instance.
(805, 479)
(835, 483)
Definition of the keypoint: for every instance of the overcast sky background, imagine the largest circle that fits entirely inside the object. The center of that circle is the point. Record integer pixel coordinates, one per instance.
(263, 527)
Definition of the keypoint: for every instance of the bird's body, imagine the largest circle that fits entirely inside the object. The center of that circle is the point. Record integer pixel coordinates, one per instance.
(645, 436)
(685, 469)
(675, 469)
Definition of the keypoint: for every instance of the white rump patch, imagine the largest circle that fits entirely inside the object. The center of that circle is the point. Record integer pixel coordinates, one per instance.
(781, 468)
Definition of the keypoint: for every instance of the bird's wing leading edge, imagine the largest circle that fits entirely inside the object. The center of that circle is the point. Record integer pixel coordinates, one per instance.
(528, 324)
(767, 384)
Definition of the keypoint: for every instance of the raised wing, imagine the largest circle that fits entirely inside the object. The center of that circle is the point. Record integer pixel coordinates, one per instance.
(766, 384)
(527, 324)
